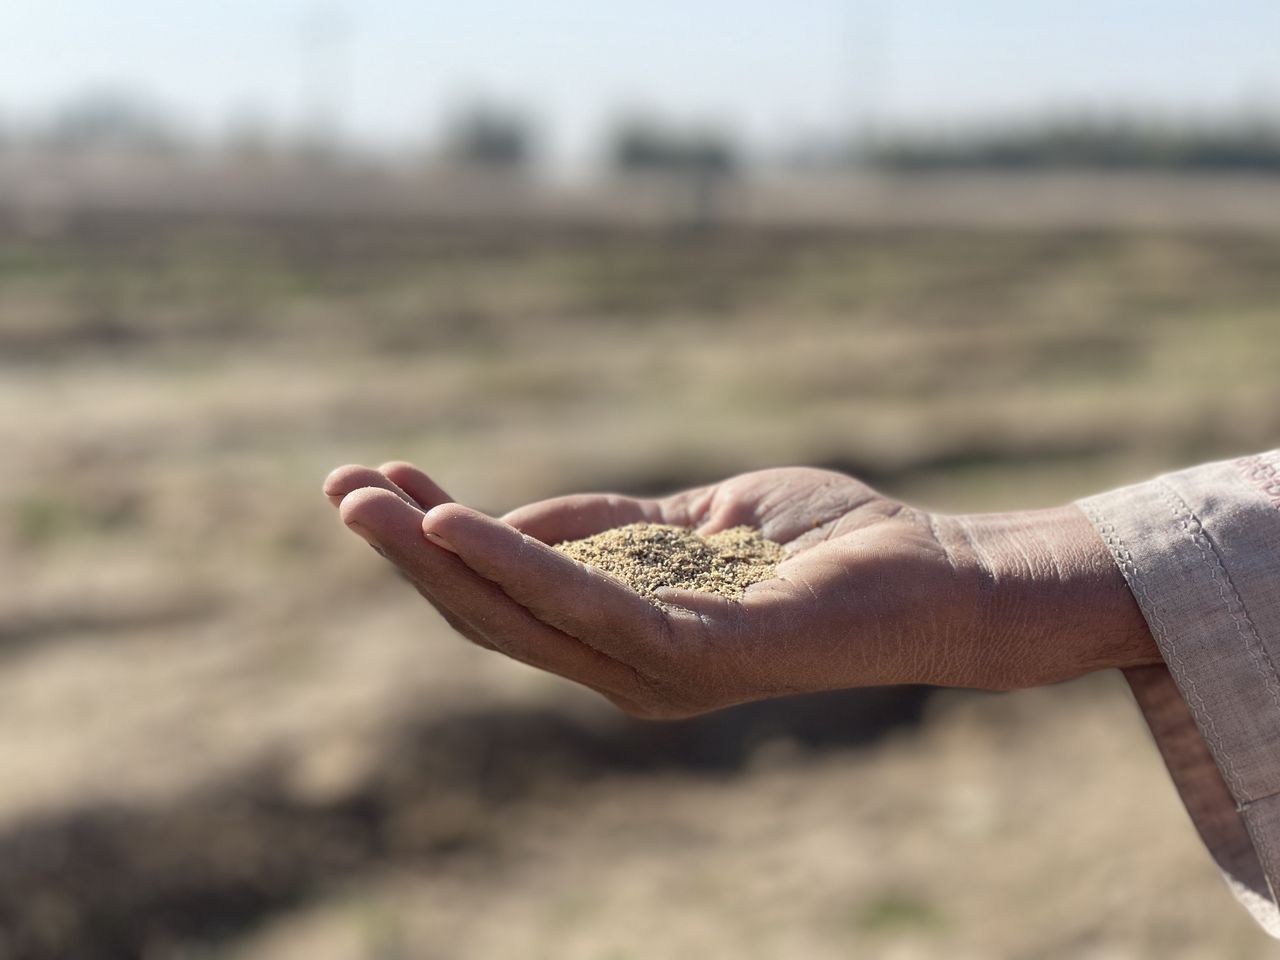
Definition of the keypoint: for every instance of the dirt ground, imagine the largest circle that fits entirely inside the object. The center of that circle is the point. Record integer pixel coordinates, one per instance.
(228, 730)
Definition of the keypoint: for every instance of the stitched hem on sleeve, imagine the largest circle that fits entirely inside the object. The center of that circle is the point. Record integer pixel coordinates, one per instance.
(1199, 552)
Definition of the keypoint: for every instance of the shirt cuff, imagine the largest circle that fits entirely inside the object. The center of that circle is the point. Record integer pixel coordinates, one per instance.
(1200, 549)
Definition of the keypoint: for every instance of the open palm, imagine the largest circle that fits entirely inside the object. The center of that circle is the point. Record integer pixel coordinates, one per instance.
(867, 595)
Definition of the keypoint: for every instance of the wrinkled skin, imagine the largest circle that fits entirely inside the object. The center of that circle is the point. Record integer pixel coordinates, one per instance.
(872, 592)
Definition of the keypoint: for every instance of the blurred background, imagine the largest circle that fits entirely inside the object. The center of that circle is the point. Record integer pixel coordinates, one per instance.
(988, 255)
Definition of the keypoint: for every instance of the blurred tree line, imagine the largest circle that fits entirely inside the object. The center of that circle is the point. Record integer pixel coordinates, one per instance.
(489, 135)
(647, 144)
(101, 119)
(1091, 142)
(494, 136)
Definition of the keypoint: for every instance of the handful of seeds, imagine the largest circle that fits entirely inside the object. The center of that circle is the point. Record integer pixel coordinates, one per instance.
(648, 556)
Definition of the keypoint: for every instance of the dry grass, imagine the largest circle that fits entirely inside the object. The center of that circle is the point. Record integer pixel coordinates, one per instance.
(223, 722)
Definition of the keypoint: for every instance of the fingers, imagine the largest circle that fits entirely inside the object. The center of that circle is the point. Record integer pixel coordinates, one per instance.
(570, 596)
(378, 519)
(403, 479)
(480, 606)
(347, 479)
(384, 517)
(414, 482)
(584, 514)
(502, 588)
(510, 629)
(581, 515)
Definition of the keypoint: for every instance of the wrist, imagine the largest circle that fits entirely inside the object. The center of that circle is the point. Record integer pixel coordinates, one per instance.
(1051, 603)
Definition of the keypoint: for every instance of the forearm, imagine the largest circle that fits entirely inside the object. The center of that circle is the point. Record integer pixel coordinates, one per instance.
(1049, 603)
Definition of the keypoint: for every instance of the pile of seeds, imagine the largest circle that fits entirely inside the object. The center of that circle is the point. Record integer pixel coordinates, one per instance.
(648, 556)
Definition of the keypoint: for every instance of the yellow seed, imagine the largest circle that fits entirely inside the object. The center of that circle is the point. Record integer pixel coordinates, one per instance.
(649, 556)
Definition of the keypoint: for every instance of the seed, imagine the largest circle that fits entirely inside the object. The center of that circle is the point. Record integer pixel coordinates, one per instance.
(649, 556)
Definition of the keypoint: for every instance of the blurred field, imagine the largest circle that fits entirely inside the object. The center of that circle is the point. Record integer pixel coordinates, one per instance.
(227, 730)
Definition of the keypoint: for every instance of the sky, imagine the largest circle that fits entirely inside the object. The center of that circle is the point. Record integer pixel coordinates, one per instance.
(388, 72)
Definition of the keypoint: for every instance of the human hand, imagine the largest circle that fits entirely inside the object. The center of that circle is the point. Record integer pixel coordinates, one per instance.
(872, 592)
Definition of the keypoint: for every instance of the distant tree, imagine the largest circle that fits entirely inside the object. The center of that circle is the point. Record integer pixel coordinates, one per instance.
(697, 162)
(642, 145)
(490, 136)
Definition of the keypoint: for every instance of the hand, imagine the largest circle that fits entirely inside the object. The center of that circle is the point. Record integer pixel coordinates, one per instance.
(873, 591)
